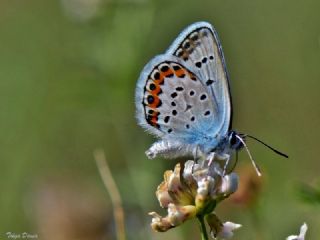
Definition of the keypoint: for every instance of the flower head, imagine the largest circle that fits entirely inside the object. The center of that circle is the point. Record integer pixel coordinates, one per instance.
(192, 190)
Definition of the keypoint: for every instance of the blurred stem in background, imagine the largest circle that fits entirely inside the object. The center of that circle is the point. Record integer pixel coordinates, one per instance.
(113, 191)
(309, 194)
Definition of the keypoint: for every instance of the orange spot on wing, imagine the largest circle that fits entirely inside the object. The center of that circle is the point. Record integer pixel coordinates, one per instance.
(180, 72)
(168, 73)
(152, 119)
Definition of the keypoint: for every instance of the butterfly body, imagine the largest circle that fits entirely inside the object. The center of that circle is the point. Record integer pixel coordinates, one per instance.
(183, 97)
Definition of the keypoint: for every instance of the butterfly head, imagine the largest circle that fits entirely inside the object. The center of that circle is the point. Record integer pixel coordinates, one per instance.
(234, 140)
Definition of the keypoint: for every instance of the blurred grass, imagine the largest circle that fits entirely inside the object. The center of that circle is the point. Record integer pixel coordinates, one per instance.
(67, 87)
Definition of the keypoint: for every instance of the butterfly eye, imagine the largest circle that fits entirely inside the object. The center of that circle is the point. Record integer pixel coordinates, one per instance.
(233, 139)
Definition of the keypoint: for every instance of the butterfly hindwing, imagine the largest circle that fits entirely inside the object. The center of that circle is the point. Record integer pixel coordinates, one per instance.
(172, 101)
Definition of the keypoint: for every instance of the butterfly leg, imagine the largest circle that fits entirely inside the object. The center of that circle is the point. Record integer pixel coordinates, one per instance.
(195, 153)
(210, 157)
(198, 155)
(226, 164)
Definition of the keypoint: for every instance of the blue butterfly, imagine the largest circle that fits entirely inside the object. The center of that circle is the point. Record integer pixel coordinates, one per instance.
(183, 98)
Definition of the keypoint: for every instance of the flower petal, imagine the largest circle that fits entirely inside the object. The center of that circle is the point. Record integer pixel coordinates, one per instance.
(162, 191)
(176, 216)
(227, 230)
(159, 224)
(229, 184)
(303, 230)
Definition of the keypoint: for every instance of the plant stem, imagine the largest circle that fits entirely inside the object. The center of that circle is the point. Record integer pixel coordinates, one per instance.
(113, 191)
(203, 230)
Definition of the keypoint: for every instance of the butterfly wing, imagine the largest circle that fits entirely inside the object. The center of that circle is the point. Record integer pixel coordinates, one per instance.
(178, 100)
(172, 101)
(200, 50)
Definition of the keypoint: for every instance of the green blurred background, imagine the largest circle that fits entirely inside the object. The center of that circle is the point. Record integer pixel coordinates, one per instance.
(68, 71)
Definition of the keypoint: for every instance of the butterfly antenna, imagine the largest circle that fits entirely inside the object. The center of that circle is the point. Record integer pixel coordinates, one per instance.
(256, 167)
(268, 146)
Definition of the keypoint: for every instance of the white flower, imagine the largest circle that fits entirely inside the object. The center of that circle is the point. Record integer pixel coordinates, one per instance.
(219, 230)
(227, 230)
(302, 233)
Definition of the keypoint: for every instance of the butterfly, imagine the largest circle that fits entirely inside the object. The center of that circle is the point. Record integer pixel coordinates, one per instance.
(183, 97)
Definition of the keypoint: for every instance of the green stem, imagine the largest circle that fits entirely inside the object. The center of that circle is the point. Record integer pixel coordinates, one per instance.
(203, 230)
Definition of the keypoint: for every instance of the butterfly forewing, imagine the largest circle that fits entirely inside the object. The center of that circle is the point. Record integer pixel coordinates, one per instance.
(200, 50)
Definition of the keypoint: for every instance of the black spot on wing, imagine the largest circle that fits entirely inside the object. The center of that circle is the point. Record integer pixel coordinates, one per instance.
(164, 68)
(174, 94)
(150, 99)
(152, 86)
(166, 119)
(176, 67)
(198, 64)
(204, 60)
(156, 76)
(207, 113)
(186, 44)
(195, 37)
(209, 82)
(203, 97)
(179, 89)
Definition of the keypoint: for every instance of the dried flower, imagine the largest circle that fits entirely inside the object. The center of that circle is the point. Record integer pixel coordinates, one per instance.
(192, 191)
